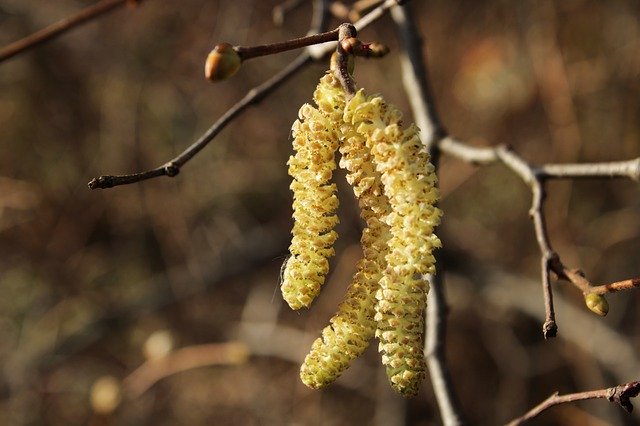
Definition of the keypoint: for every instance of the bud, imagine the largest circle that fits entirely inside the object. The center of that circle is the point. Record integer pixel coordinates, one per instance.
(350, 44)
(223, 62)
(597, 304)
(374, 50)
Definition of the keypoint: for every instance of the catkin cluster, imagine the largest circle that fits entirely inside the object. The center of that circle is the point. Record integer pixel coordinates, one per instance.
(389, 171)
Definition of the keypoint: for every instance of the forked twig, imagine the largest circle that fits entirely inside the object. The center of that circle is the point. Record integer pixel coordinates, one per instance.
(255, 95)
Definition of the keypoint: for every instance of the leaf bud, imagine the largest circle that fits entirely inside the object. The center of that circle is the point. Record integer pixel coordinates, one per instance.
(597, 303)
(223, 62)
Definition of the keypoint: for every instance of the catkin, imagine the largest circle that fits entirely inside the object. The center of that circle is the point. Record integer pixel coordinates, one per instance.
(410, 184)
(315, 140)
(353, 326)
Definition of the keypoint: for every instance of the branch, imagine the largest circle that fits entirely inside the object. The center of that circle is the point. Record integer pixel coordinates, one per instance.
(255, 95)
(535, 177)
(180, 360)
(416, 83)
(85, 15)
(620, 394)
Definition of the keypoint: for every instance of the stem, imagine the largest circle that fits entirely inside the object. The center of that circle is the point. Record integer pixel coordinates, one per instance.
(619, 394)
(172, 167)
(296, 43)
(60, 27)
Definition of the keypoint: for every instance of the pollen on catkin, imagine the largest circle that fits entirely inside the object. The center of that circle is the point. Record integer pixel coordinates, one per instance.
(353, 326)
(315, 140)
(410, 184)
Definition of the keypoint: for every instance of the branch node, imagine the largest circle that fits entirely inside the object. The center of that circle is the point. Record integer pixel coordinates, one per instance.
(171, 169)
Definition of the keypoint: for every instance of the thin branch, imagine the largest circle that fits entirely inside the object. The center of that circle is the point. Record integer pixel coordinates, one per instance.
(85, 15)
(549, 328)
(629, 169)
(255, 95)
(180, 360)
(617, 286)
(296, 43)
(416, 83)
(620, 394)
(535, 177)
(172, 168)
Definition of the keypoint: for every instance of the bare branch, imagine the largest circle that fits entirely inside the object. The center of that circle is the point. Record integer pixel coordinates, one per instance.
(535, 177)
(620, 394)
(85, 15)
(255, 95)
(180, 360)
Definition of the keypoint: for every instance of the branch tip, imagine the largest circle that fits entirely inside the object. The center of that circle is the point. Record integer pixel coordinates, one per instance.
(549, 329)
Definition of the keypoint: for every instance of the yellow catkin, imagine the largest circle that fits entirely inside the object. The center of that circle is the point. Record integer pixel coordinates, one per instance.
(410, 184)
(315, 140)
(353, 326)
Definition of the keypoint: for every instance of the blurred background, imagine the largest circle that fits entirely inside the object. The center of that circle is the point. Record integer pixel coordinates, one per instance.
(95, 285)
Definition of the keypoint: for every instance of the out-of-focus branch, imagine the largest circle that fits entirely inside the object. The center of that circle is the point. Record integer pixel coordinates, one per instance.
(187, 358)
(85, 15)
(620, 394)
(255, 95)
(416, 83)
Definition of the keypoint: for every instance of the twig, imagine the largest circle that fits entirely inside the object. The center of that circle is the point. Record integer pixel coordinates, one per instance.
(617, 286)
(416, 83)
(535, 177)
(346, 31)
(188, 358)
(620, 394)
(62, 26)
(255, 95)
(549, 328)
(296, 43)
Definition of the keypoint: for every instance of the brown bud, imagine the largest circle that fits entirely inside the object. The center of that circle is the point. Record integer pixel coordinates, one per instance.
(223, 62)
(375, 50)
(597, 304)
(350, 44)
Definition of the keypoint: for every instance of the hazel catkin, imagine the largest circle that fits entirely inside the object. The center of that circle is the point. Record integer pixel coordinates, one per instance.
(410, 184)
(315, 140)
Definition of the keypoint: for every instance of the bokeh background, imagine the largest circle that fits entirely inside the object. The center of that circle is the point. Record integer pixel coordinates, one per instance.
(93, 283)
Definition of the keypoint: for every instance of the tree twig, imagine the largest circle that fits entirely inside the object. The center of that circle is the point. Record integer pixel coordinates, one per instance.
(255, 95)
(535, 177)
(85, 15)
(187, 358)
(620, 394)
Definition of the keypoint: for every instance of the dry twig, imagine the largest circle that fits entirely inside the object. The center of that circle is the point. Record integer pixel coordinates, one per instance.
(85, 15)
(620, 394)
(255, 95)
